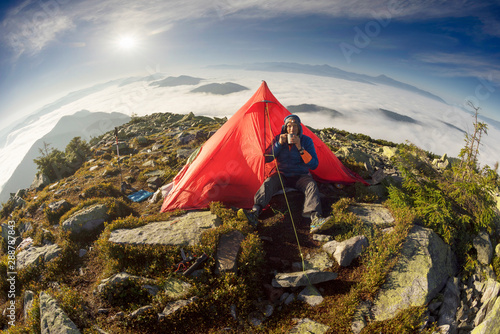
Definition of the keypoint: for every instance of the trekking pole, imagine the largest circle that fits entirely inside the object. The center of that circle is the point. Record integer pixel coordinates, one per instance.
(118, 154)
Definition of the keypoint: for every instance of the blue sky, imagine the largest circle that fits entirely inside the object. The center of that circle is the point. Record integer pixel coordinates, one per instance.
(51, 47)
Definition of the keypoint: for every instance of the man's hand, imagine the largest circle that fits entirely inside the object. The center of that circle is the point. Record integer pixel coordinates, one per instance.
(295, 140)
(283, 139)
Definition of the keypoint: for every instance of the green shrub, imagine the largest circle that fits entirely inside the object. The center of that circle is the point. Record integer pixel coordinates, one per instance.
(54, 216)
(102, 190)
(251, 260)
(75, 305)
(496, 265)
(455, 210)
(125, 294)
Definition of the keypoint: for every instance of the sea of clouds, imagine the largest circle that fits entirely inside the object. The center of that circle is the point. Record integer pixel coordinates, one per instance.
(435, 129)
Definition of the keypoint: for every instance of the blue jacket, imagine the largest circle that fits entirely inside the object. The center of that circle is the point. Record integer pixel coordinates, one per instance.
(290, 161)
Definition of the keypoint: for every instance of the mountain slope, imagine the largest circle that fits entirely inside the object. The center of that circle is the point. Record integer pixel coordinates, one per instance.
(82, 124)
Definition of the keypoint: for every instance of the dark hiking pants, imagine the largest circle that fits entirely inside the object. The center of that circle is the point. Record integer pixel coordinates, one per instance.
(304, 183)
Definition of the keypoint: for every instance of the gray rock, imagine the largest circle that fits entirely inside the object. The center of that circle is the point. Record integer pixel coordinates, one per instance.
(186, 138)
(320, 261)
(59, 205)
(140, 311)
(27, 303)
(310, 295)
(378, 176)
(53, 319)
(40, 181)
(154, 182)
(423, 268)
(309, 326)
(256, 319)
(484, 249)
(361, 317)
(227, 252)
(87, 219)
(303, 278)
(488, 300)
(21, 193)
(82, 252)
(389, 152)
(149, 163)
(372, 213)
(346, 251)
(176, 288)
(491, 324)
(357, 155)
(155, 173)
(112, 281)
(451, 302)
(182, 230)
(177, 305)
(184, 153)
(34, 255)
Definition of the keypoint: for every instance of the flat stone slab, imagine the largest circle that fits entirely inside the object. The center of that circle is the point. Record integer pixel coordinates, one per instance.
(52, 317)
(227, 252)
(302, 278)
(182, 230)
(311, 296)
(309, 326)
(320, 261)
(176, 288)
(372, 213)
(34, 255)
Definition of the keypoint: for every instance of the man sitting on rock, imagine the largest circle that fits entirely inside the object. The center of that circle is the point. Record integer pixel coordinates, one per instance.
(295, 155)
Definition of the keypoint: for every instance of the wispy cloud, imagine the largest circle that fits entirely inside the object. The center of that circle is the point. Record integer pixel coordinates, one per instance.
(30, 27)
(33, 25)
(462, 65)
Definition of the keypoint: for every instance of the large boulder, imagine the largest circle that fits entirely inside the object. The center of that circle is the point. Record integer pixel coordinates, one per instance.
(40, 181)
(490, 325)
(115, 280)
(182, 230)
(345, 252)
(227, 252)
(424, 266)
(53, 319)
(87, 219)
(309, 326)
(484, 248)
(302, 278)
(358, 155)
(370, 213)
(35, 255)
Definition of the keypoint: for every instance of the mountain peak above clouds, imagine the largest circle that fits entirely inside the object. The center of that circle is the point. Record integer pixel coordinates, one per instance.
(177, 81)
(334, 72)
(220, 89)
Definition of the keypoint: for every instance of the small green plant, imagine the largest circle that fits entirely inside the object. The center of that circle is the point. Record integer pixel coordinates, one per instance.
(125, 294)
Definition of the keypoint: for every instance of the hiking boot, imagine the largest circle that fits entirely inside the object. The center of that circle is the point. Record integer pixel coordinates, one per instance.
(318, 223)
(250, 215)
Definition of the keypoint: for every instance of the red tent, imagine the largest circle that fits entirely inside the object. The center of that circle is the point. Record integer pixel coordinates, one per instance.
(230, 167)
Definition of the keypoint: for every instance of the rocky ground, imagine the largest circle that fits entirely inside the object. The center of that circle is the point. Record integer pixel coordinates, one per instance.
(60, 226)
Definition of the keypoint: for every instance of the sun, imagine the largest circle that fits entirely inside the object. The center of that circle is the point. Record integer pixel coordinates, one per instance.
(127, 42)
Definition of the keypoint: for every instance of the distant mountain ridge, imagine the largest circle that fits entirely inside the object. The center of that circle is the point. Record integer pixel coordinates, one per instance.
(182, 80)
(333, 72)
(84, 124)
(220, 89)
(306, 107)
